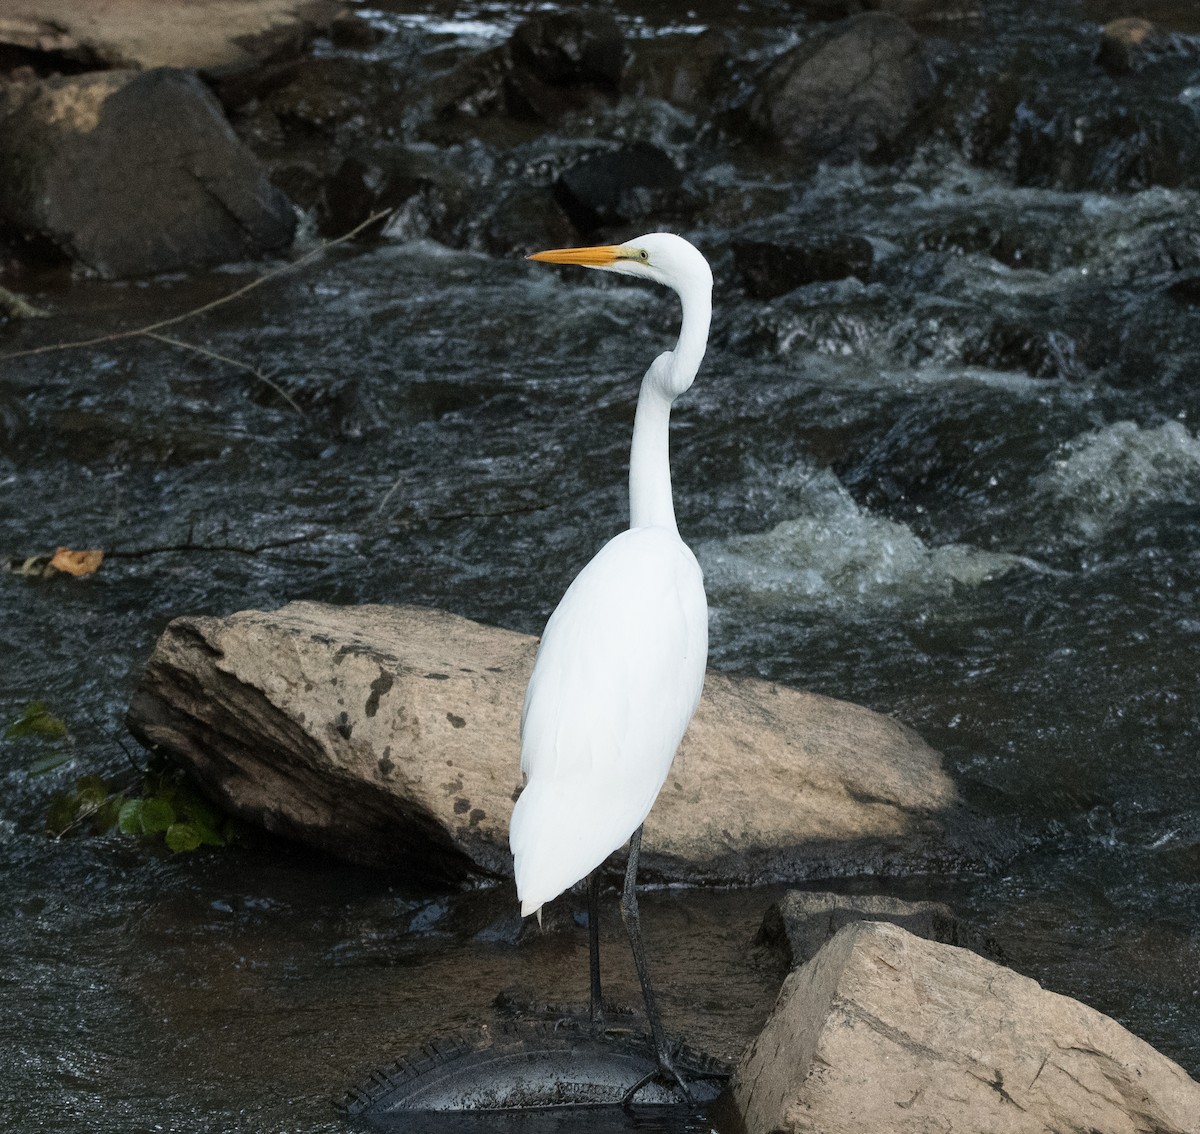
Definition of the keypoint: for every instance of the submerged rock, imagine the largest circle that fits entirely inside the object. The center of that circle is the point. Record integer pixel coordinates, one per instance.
(848, 91)
(769, 269)
(132, 174)
(884, 1031)
(390, 736)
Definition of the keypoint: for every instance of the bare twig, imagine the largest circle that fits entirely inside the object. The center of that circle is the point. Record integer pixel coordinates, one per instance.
(235, 549)
(236, 294)
(120, 744)
(231, 361)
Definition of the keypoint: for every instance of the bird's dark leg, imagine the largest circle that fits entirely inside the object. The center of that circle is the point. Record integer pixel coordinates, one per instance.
(629, 914)
(596, 1012)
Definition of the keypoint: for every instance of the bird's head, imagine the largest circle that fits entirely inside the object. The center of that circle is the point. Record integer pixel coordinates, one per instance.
(659, 256)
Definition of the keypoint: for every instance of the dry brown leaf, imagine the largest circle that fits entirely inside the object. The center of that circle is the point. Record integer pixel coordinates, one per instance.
(77, 563)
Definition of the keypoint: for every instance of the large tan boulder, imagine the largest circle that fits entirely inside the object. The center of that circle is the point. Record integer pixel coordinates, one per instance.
(204, 34)
(390, 735)
(886, 1032)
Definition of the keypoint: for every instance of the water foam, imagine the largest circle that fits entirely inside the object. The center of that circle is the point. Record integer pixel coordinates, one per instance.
(1104, 476)
(837, 552)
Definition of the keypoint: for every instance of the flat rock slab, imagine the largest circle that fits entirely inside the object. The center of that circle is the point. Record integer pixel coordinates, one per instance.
(802, 921)
(390, 736)
(886, 1032)
(202, 34)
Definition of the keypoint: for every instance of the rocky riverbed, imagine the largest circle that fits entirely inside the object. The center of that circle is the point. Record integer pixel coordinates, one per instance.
(941, 461)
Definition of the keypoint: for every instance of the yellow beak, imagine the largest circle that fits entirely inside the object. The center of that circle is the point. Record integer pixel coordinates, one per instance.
(598, 257)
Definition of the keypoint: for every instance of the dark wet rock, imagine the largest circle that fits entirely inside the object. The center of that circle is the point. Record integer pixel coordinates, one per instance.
(1012, 241)
(913, 10)
(885, 1031)
(689, 72)
(554, 64)
(570, 48)
(849, 90)
(349, 29)
(132, 174)
(475, 88)
(242, 35)
(301, 181)
(356, 191)
(769, 269)
(525, 219)
(390, 735)
(804, 920)
(613, 187)
(1186, 288)
(1037, 351)
(1047, 135)
(312, 97)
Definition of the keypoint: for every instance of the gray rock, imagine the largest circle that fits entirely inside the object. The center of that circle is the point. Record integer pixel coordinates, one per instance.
(390, 735)
(850, 90)
(802, 921)
(134, 173)
(886, 1032)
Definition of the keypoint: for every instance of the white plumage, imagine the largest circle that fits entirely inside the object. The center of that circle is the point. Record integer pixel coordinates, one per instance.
(617, 678)
(621, 663)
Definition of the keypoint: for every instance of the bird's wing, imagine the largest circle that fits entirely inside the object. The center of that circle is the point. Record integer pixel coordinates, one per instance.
(617, 679)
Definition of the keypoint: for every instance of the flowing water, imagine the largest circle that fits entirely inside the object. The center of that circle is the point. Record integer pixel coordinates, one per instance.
(893, 504)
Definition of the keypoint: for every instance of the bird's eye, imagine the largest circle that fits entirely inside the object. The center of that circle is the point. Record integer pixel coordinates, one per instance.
(644, 256)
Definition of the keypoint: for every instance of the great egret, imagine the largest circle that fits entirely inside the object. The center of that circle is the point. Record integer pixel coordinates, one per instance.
(621, 663)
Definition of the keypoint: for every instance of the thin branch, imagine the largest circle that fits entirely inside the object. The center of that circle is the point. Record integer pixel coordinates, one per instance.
(236, 294)
(522, 511)
(165, 549)
(231, 361)
(120, 744)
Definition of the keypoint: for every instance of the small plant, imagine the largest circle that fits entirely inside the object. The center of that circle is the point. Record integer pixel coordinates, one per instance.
(164, 806)
(156, 803)
(171, 807)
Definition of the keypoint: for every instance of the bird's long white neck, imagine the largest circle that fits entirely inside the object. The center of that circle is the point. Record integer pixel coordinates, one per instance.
(650, 500)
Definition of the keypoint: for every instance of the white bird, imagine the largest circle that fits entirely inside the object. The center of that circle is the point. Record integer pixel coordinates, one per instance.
(621, 662)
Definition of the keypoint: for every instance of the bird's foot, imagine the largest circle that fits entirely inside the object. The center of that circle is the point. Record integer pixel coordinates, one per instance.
(664, 1073)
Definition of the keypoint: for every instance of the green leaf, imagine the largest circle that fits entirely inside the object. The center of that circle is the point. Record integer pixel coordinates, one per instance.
(108, 813)
(193, 809)
(129, 820)
(49, 763)
(91, 791)
(37, 720)
(61, 814)
(157, 815)
(182, 837)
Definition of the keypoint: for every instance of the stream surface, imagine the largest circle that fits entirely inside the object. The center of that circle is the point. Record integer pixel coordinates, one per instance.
(1005, 557)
